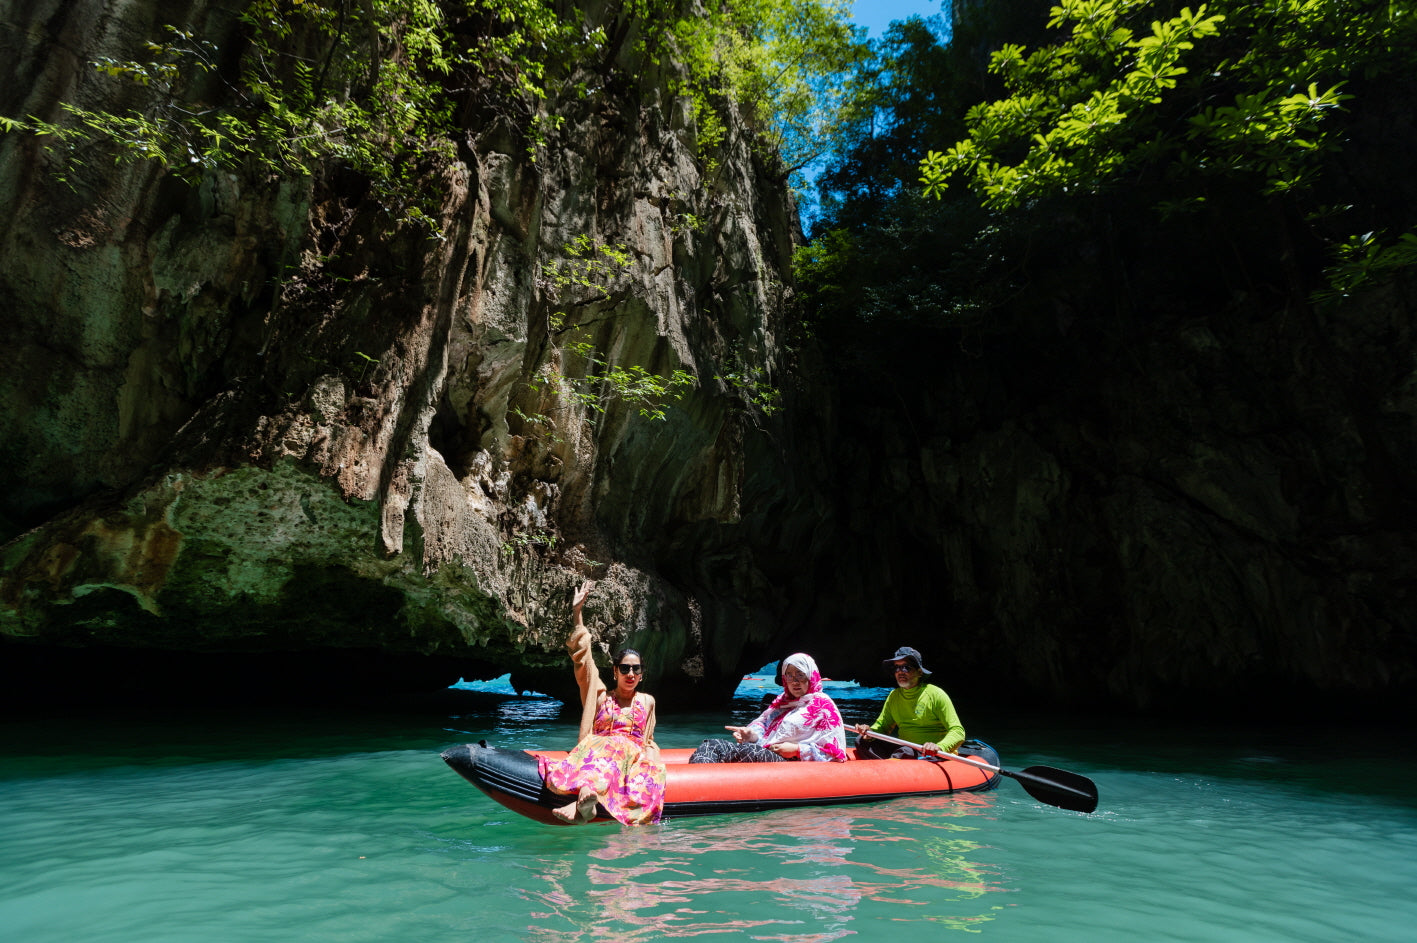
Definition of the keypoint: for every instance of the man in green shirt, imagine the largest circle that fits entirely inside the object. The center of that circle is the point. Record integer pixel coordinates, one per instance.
(916, 711)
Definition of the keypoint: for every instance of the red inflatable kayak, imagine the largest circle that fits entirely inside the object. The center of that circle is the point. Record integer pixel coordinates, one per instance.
(511, 778)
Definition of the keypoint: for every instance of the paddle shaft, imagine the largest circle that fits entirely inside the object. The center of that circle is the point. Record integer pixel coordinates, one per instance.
(916, 746)
(1080, 796)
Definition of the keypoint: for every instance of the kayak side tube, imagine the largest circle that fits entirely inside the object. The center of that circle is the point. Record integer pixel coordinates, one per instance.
(512, 778)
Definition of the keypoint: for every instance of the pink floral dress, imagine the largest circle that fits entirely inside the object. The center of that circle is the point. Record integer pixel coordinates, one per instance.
(616, 763)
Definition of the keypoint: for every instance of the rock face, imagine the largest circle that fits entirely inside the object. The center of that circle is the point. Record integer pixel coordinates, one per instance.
(1162, 527)
(1170, 496)
(262, 419)
(260, 432)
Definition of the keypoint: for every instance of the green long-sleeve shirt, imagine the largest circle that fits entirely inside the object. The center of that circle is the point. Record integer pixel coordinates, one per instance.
(922, 714)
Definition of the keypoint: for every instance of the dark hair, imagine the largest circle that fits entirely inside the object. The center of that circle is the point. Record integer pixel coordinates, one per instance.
(619, 657)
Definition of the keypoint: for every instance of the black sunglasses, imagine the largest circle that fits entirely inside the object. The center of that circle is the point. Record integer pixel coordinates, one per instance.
(630, 669)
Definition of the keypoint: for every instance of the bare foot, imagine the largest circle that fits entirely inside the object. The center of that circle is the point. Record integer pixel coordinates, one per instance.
(570, 813)
(585, 807)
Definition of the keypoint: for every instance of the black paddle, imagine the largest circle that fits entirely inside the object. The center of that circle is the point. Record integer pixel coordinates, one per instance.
(1054, 786)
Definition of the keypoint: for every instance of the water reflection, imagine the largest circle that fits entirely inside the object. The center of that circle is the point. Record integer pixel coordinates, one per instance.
(524, 721)
(802, 875)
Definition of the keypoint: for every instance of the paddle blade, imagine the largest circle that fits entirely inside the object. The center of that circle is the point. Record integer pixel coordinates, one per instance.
(1058, 787)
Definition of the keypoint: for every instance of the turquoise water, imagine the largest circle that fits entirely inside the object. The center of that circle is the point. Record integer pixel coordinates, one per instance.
(344, 825)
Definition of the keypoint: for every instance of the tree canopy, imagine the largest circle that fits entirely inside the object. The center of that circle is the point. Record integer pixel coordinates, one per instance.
(375, 86)
(1220, 113)
(1232, 87)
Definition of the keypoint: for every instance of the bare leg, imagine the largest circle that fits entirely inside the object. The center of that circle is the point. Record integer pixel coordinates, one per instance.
(581, 810)
(569, 812)
(585, 805)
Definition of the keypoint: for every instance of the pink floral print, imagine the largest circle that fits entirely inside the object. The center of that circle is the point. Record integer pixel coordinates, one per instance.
(613, 762)
(812, 722)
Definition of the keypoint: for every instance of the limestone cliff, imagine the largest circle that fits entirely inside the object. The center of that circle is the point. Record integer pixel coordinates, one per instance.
(258, 417)
(254, 428)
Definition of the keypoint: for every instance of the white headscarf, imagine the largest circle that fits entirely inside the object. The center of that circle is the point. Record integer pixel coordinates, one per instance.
(808, 667)
(811, 721)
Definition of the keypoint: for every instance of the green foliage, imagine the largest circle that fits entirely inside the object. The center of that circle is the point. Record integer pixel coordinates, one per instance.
(583, 273)
(372, 86)
(918, 261)
(358, 85)
(1232, 88)
(881, 254)
(365, 362)
(542, 425)
(1361, 259)
(750, 384)
(910, 94)
(682, 222)
(785, 60)
(779, 61)
(584, 265)
(1232, 93)
(544, 541)
(649, 394)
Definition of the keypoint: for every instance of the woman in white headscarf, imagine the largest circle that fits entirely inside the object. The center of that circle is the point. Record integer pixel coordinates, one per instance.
(801, 723)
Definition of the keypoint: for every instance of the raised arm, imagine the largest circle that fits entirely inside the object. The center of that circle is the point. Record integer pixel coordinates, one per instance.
(579, 645)
(587, 677)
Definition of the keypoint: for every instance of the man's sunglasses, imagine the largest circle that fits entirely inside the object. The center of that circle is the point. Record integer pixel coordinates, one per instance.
(630, 669)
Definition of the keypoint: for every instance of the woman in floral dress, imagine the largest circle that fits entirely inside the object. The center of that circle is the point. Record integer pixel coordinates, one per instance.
(616, 763)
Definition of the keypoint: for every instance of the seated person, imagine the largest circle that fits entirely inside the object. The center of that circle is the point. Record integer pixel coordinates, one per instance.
(919, 712)
(801, 723)
(616, 763)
